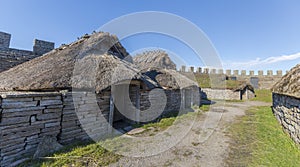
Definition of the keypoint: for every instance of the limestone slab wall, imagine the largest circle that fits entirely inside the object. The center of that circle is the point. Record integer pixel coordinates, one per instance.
(287, 111)
(153, 106)
(25, 118)
(224, 94)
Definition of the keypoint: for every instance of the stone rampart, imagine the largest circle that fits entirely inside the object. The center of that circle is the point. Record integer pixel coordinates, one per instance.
(10, 57)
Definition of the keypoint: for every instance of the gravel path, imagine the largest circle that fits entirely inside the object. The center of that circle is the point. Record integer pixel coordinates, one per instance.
(204, 144)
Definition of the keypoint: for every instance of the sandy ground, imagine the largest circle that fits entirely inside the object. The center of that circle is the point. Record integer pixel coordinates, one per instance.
(204, 141)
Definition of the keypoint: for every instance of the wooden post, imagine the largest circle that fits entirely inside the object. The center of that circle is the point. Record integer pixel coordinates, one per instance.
(192, 97)
(138, 100)
(111, 110)
(183, 99)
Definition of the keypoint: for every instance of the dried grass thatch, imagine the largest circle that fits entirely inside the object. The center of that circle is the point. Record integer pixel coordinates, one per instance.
(244, 86)
(289, 84)
(54, 70)
(169, 79)
(154, 58)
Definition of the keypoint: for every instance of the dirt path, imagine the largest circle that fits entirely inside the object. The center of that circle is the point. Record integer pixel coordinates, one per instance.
(205, 144)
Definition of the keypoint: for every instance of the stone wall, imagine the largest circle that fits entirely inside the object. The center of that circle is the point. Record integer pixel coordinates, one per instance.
(152, 112)
(224, 94)
(265, 81)
(27, 117)
(175, 101)
(4, 40)
(41, 47)
(10, 57)
(287, 111)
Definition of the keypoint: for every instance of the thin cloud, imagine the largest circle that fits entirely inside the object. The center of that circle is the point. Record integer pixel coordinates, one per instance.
(259, 62)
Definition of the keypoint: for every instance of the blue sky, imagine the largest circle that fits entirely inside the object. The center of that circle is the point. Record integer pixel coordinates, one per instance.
(249, 34)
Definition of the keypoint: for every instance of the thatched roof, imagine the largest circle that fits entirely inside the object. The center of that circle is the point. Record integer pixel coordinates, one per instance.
(244, 86)
(289, 84)
(54, 70)
(154, 58)
(100, 72)
(169, 79)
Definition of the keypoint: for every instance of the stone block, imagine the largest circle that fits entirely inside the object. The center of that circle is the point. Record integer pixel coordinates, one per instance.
(53, 110)
(9, 105)
(50, 102)
(37, 108)
(10, 100)
(48, 116)
(20, 114)
(14, 120)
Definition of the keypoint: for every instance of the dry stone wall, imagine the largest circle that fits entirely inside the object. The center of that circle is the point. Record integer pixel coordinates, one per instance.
(224, 94)
(287, 111)
(27, 117)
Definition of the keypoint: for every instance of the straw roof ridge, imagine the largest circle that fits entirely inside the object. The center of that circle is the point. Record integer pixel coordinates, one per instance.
(154, 58)
(289, 84)
(168, 78)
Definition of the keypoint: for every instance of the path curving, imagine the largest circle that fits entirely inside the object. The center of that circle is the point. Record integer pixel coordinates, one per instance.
(205, 145)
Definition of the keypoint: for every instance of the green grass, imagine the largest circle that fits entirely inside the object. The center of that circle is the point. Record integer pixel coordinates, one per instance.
(258, 140)
(264, 95)
(215, 81)
(205, 108)
(168, 121)
(80, 155)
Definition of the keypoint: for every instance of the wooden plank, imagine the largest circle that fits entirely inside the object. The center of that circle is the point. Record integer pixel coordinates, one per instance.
(111, 110)
(138, 105)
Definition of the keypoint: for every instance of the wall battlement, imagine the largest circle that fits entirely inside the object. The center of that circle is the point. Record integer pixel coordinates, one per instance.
(10, 57)
(260, 80)
(4, 40)
(229, 72)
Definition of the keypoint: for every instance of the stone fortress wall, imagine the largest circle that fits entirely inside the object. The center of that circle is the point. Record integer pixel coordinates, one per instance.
(10, 57)
(259, 81)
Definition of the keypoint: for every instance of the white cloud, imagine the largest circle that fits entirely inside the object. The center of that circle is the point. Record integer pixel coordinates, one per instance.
(258, 62)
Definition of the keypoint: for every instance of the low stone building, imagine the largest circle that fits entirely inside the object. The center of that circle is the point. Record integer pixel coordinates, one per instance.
(286, 103)
(78, 92)
(242, 92)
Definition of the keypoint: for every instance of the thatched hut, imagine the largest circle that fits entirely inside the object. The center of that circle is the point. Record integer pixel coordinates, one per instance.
(286, 100)
(178, 93)
(246, 91)
(94, 64)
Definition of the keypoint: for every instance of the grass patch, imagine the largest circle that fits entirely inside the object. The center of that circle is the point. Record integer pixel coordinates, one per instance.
(205, 108)
(216, 81)
(166, 122)
(258, 140)
(77, 156)
(264, 95)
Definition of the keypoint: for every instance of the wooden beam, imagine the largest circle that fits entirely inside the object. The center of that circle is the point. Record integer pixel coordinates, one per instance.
(138, 103)
(183, 99)
(111, 110)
